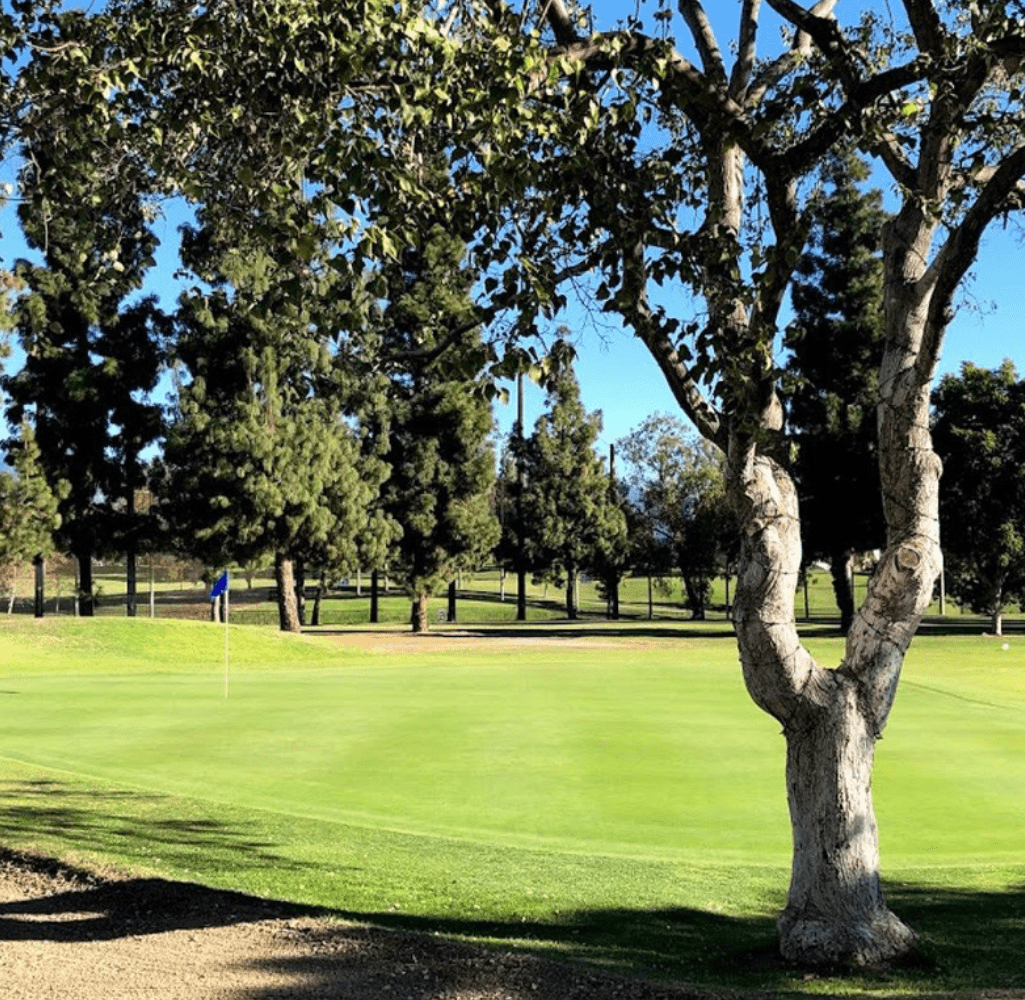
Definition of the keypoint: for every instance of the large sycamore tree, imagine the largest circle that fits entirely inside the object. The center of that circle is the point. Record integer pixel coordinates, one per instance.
(648, 165)
(624, 155)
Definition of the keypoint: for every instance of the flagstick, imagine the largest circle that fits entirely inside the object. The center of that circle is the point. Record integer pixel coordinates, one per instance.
(227, 591)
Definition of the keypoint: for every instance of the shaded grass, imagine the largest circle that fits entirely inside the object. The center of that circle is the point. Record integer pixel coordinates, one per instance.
(610, 797)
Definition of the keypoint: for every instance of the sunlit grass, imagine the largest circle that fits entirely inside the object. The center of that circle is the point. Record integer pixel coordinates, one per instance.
(606, 795)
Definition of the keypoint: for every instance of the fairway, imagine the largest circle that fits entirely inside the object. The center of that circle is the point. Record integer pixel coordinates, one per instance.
(516, 781)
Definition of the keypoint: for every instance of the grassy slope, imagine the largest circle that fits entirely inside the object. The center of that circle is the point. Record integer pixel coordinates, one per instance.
(619, 803)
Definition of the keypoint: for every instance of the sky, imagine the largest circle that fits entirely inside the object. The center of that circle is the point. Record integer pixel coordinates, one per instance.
(617, 375)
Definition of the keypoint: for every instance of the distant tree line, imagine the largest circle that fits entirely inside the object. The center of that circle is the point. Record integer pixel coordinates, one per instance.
(293, 439)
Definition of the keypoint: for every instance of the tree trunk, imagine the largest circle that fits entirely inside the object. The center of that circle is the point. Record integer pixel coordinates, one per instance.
(374, 601)
(835, 909)
(321, 584)
(418, 613)
(571, 594)
(998, 622)
(613, 590)
(300, 589)
(840, 569)
(86, 600)
(695, 596)
(131, 584)
(288, 607)
(451, 602)
(40, 589)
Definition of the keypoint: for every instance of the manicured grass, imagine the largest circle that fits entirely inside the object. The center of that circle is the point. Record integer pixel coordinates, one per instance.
(609, 794)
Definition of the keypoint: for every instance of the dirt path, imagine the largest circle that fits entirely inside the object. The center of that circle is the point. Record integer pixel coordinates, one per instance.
(78, 935)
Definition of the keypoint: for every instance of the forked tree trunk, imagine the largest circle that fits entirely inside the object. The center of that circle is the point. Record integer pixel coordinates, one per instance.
(288, 606)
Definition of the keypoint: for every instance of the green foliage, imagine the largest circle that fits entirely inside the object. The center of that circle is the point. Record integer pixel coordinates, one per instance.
(679, 511)
(263, 456)
(573, 521)
(94, 351)
(28, 507)
(835, 345)
(439, 422)
(979, 434)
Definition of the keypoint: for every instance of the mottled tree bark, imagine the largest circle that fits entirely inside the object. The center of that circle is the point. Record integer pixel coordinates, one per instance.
(288, 606)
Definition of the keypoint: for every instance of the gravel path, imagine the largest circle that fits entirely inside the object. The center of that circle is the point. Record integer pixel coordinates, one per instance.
(78, 935)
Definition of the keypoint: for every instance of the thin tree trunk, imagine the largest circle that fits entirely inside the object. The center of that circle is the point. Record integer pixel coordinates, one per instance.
(288, 607)
(695, 597)
(321, 584)
(651, 601)
(418, 613)
(843, 590)
(131, 585)
(40, 590)
(300, 589)
(571, 594)
(374, 601)
(86, 600)
(998, 622)
(452, 615)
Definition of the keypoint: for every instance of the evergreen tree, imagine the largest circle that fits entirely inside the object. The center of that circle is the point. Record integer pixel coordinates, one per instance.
(979, 434)
(442, 465)
(262, 456)
(92, 356)
(572, 523)
(28, 507)
(835, 345)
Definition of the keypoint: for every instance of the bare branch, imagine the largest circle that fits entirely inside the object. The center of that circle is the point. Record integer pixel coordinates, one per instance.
(744, 66)
(799, 51)
(930, 34)
(1002, 192)
(704, 38)
(561, 22)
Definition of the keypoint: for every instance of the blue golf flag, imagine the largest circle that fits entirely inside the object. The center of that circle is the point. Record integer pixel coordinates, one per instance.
(220, 586)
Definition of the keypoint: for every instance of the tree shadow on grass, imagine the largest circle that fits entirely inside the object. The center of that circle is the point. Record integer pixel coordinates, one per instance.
(146, 832)
(970, 948)
(971, 939)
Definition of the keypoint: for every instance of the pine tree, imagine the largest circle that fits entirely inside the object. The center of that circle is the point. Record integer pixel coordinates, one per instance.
(262, 457)
(28, 507)
(571, 522)
(442, 465)
(91, 359)
(835, 344)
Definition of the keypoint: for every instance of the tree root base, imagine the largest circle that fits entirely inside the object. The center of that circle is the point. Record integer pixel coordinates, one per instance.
(816, 943)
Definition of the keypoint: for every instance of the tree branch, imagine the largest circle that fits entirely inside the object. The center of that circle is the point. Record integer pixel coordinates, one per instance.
(747, 53)
(929, 32)
(704, 38)
(1001, 193)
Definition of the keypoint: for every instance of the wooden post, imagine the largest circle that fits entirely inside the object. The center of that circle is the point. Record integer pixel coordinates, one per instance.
(40, 565)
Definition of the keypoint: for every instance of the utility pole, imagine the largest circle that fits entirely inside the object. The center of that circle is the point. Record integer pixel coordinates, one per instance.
(521, 571)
